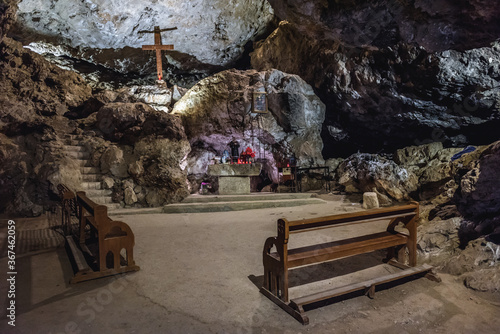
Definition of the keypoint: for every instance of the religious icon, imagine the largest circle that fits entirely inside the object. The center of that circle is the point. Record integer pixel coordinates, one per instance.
(259, 103)
(158, 47)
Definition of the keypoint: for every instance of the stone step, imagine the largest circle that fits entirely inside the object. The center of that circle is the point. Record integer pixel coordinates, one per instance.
(78, 155)
(113, 206)
(89, 170)
(238, 205)
(102, 199)
(74, 137)
(74, 148)
(91, 177)
(97, 192)
(133, 211)
(196, 198)
(91, 185)
(83, 162)
(73, 142)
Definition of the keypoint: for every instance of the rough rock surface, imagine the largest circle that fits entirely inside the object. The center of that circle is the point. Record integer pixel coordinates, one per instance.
(439, 236)
(431, 163)
(364, 172)
(31, 88)
(487, 280)
(370, 200)
(32, 166)
(109, 32)
(142, 150)
(122, 121)
(218, 109)
(479, 192)
(436, 25)
(41, 104)
(439, 244)
(34, 97)
(7, 16)
(393, 96)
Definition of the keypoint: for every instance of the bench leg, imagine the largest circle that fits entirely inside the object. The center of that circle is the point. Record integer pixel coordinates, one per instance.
(391, 254)
(296, 311)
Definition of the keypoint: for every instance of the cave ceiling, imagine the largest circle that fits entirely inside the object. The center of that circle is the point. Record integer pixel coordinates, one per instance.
(210, 34)
(436, 25)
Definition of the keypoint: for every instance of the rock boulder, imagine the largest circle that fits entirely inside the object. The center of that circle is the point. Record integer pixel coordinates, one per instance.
(364, 172)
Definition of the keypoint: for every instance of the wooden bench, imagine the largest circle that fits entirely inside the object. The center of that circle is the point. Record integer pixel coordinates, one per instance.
(68, 204)
(277, 264)
(94, 225)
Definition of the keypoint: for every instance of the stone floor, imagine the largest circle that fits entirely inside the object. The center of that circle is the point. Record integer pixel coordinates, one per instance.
(200, 274)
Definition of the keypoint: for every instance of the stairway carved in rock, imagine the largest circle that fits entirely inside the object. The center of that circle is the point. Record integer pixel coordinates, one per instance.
(91, 176)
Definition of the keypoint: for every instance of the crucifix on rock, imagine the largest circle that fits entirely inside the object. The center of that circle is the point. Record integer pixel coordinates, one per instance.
(158, 47)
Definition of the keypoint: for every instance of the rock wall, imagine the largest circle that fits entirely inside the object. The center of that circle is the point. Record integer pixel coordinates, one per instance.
(218, 109)
(140, 150)
(7, 16)
(136, 147)
(390, 96)
(32, 88)
(35, 96)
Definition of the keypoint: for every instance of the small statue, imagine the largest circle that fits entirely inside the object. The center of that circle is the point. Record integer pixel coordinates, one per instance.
(226, 158)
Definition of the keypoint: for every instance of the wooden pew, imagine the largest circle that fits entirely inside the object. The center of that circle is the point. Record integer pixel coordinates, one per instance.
(112, 237)
(68, 203)
(277, 264)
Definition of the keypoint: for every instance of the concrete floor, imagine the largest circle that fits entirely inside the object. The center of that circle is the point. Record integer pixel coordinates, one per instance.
(200, 274)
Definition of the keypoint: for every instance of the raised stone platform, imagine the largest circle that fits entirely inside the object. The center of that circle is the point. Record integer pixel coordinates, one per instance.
(220, 203)
(234, 179)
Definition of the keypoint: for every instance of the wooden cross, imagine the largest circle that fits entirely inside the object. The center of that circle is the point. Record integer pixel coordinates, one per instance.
(158, 47)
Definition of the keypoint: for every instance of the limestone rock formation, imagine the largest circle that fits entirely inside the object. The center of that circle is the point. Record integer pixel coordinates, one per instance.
(439, 236)
(110, 32)
(122, 121)
(479, 192)
(42, 104)
(7, 16)
(487, 280)
(32, 88)
(218, 110)
(364, 172)
(35, 96)
(431, 163)
(391, 96)
(142, 150)
(435, 25)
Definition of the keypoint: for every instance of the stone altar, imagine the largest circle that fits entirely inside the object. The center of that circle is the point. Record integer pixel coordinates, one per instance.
(234, 179)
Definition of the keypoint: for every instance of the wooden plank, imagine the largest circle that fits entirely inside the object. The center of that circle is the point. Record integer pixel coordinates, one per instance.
(324, 224)
(79, 258)
(158, 47)
(381, 213)
(86, 276)
(342, 248)
(366, 285)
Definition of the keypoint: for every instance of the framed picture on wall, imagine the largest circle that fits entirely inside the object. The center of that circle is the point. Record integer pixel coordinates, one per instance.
(259, 102)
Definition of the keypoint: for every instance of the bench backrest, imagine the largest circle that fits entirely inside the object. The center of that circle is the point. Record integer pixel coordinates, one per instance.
(99, 212)
(404, 214)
